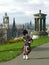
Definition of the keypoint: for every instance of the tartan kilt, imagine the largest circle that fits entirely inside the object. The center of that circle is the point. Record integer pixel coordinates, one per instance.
(29, 49)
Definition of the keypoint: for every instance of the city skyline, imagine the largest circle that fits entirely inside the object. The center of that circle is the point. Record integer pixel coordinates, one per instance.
(23, 10)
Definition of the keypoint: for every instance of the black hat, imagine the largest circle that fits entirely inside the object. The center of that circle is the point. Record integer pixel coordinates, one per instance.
(25, 32)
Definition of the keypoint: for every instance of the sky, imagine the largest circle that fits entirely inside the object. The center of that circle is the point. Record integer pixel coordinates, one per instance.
(23, 10)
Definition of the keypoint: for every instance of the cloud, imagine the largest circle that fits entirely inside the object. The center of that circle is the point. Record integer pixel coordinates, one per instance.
(27, 6)
(24, 9)
(21, 1)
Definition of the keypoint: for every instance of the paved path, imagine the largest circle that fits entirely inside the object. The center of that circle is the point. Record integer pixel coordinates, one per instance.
(38, 56)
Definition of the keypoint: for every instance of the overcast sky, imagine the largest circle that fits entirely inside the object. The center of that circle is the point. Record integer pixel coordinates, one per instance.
(23, 10)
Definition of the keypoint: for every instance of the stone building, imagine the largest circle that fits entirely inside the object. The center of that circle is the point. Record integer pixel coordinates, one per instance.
(7, 31)
(6, 26)
(6, 21)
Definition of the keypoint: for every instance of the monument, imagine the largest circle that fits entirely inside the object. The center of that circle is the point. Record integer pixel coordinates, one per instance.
(40, 25)
(14, 30)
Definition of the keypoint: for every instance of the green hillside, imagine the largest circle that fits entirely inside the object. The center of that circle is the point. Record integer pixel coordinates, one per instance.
(11, 50)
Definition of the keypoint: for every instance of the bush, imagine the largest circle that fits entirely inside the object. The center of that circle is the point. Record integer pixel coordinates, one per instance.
(16, 40)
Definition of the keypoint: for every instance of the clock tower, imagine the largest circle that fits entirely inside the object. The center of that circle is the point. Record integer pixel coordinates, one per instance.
(6, 21)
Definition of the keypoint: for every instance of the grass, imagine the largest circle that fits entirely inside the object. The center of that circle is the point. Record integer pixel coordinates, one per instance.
(40, 41)
(10, 51)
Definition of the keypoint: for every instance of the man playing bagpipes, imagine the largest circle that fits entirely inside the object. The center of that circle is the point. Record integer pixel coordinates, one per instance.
(27, 46)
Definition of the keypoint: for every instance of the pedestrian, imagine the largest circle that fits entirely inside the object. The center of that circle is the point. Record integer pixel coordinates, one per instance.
(27, 44)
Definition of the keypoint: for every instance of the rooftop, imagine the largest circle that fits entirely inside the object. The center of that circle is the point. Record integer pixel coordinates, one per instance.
(42, 14)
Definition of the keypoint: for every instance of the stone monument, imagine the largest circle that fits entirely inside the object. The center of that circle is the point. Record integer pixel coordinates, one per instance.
(40, 25)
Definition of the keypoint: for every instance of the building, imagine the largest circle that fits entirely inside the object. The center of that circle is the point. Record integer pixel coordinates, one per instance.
(6, 21)
(6, 26)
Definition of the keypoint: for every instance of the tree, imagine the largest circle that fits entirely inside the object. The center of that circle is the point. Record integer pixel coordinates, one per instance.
(1, 36)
